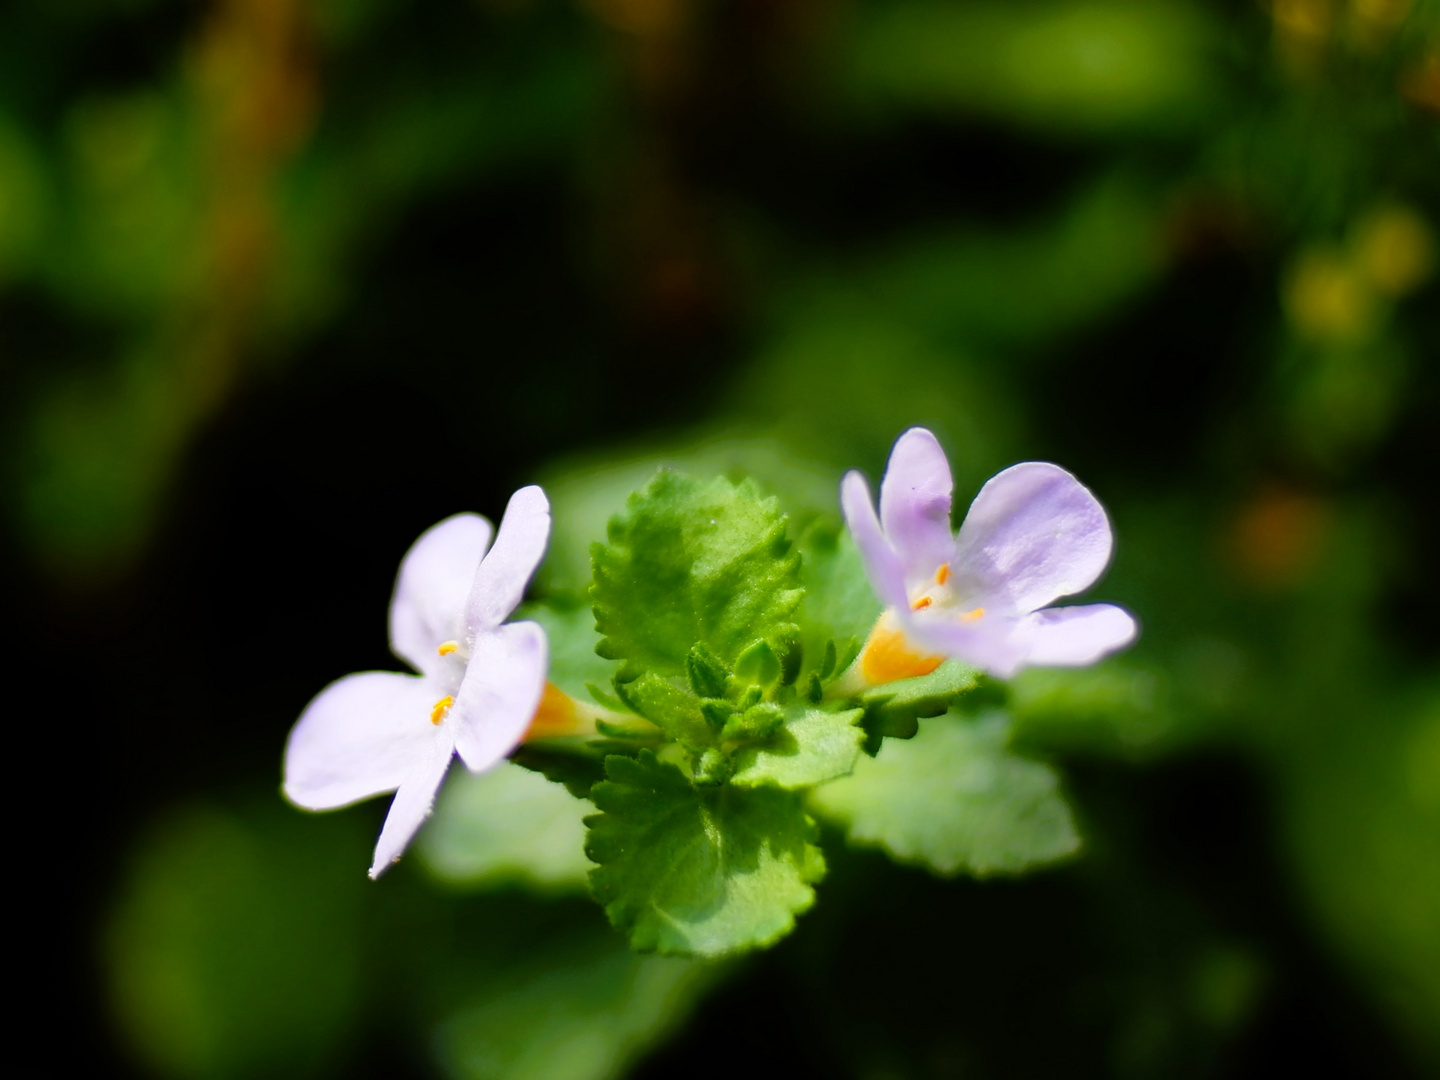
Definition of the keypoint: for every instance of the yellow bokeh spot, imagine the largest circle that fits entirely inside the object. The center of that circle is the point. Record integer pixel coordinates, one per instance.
(1394, 249)
(1327, 298)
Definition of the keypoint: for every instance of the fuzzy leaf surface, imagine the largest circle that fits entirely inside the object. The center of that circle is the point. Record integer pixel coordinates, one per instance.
(814, 746)
(673, 710)
(692, 872)
(954, 799)
(690, 562)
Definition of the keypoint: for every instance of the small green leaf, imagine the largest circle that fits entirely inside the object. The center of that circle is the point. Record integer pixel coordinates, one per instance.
(605, 699)
(507, 825)
(814, 689)
(698, 872)
(954, 799)
(758, 665)
(814, 746)
(693, 562)
(717, 713)
(893, 710)
(757, 722)
(629, 729)
(827, 665)
(673, 710)
(707, 674)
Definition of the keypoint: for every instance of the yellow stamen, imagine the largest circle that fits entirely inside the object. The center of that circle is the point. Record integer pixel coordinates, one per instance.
(440, 708)
(888, 655)
(555, 715)
(972, 616)
(921, 604)
(447, 647)
(943, 574)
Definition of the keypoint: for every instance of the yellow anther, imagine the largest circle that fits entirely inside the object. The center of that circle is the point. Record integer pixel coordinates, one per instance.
(943, 574)
(447, 647)
(972, 616)
(921, 604)
(440, 708)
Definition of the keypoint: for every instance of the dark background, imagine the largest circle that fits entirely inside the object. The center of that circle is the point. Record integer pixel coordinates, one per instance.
(281, 284)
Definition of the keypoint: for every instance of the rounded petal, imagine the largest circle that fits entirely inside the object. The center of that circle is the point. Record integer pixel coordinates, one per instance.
(412, 804)
(1033, 534)
(990, 643)
(435, 578)
(882, 565)
(915, 503)
(1076, 636)
(361, 736)
(500, 582)
(502, 689)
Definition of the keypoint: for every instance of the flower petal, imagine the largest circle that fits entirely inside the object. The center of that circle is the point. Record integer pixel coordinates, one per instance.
(412, 803)
(1034, 533)
(915, 503)
(359, 737)
(1076, 636)
(435, 578)
(989, 643)
(882, 565)
(500, 582)
(502, 688)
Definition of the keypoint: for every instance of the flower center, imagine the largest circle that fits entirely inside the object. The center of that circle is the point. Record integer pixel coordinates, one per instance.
(440, 708)
(941, 594)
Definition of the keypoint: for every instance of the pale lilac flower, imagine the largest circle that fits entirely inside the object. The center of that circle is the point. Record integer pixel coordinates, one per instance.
(1033, 535)
(479, 684)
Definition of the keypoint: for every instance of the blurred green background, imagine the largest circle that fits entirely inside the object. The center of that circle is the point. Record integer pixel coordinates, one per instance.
(283, 282)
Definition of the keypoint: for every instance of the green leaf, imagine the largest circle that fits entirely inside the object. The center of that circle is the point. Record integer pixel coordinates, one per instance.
(894, 709)
(575, 666)
(584, 1013)
(673, 710)
(707, 674)
(693, 562)
(698, 872)
(814, 746)
(509, 824)
(840, 606)
(954, 799)
(758, 665)
(757, 722)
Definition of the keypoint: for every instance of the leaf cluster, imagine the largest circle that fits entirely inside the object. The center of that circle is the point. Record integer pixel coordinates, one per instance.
(724, 723)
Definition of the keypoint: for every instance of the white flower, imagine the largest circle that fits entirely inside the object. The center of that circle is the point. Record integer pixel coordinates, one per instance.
(479, 684)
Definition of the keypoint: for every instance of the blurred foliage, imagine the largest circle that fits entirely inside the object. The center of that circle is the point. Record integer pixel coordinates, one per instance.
(1188, 249)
